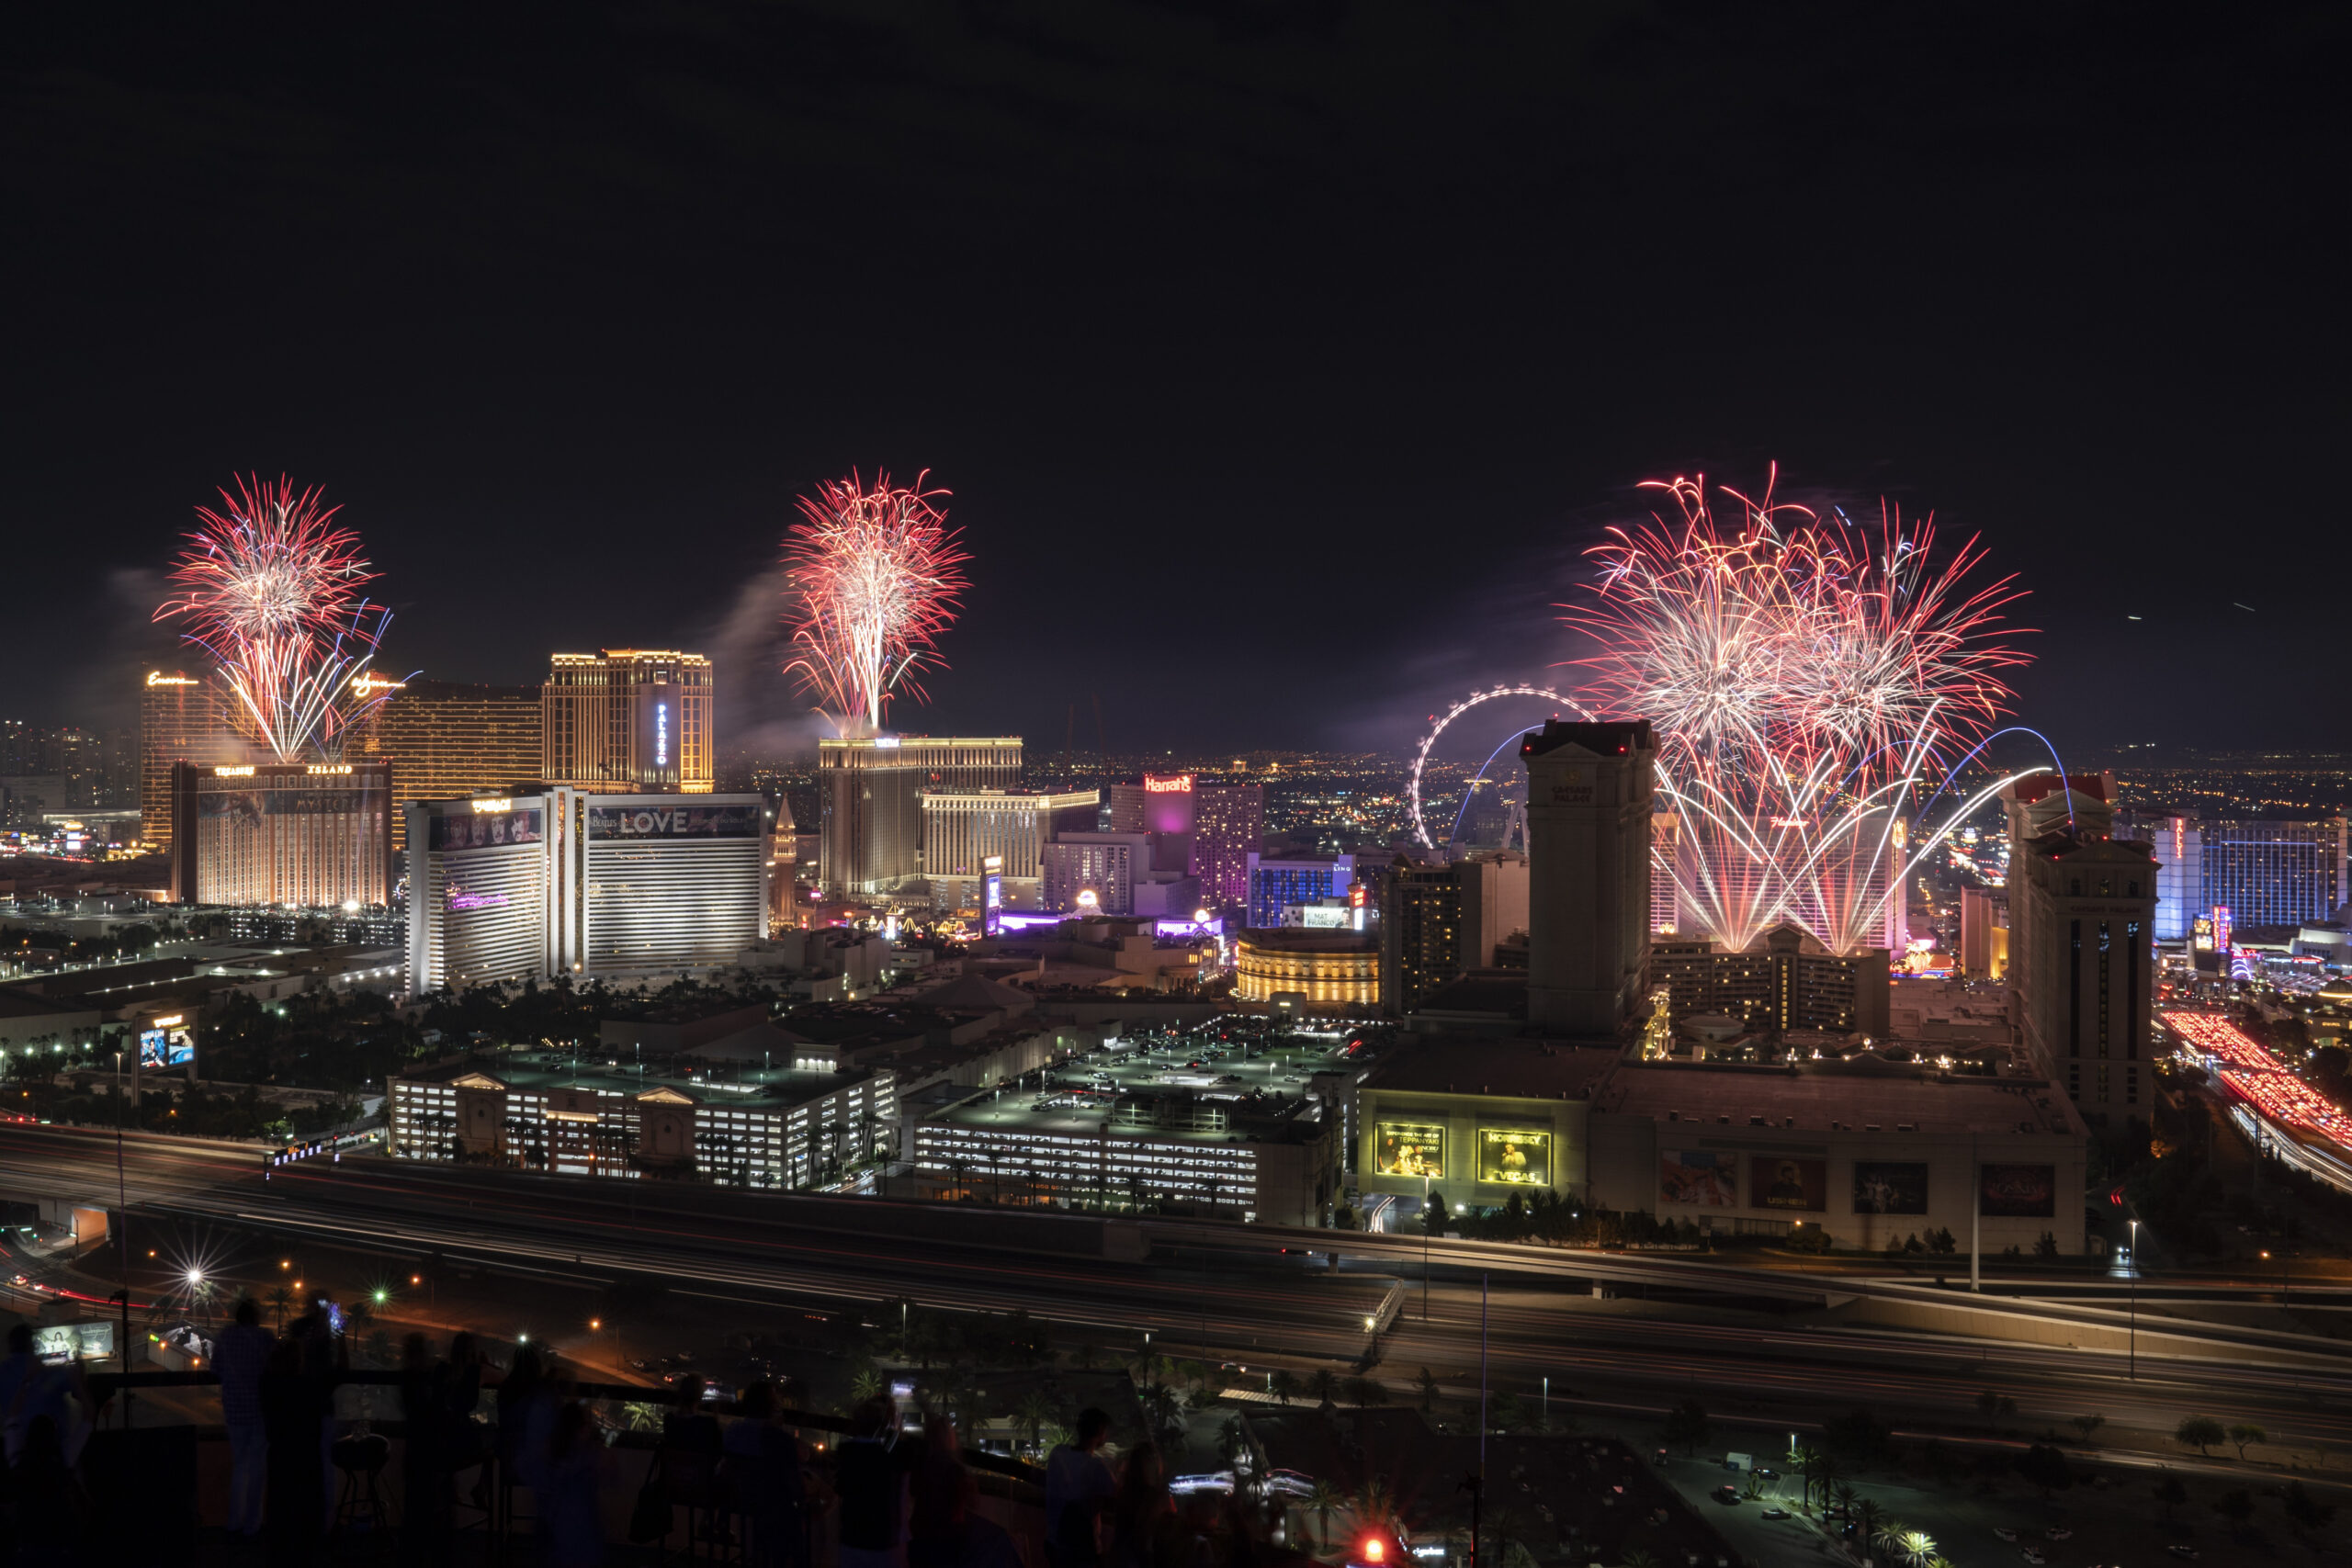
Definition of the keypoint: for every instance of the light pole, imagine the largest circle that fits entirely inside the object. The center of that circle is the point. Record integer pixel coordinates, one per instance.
(2132, 1361)
(2283, 1266)
(1425, 1246)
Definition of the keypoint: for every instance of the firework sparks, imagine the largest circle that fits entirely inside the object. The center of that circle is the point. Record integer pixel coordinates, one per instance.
(875, 574)
(1805, 674)
(270, 587)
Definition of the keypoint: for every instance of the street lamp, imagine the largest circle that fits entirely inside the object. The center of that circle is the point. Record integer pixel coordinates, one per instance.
(1425, 1246)
(2283, 1266)
(2132, 1361)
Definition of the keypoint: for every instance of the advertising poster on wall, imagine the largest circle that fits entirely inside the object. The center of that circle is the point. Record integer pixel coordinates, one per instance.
(1701, 1177)
(2018, 1191)
(1890, 1187)
(674, 822)
(1409, 1148)
(1519, 1158)
(1787, 1184)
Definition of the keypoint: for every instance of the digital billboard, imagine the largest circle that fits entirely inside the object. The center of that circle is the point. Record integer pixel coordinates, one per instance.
(993, 894)
(1409, 1148)
(2018, 1191)
(484, 830)
(166, 1043)
(1698, 1177)
(57, 1343)
(609, 822)
(1786, 1183)
(1890, 1187)
(1519, 1158)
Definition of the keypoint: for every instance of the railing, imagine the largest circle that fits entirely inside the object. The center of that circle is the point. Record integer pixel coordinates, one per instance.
(105, 1385)
(182, 1469)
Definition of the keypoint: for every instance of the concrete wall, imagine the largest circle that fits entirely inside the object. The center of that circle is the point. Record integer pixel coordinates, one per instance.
(1628, 1152)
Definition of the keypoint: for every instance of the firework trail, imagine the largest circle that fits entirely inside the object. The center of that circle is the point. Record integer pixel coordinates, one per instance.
(270, 588)
(875, 574)
(1807, 676)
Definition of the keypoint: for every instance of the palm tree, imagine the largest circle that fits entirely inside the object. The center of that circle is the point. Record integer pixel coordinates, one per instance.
(1364, 1391)
(866, 1384)
(1324, 1500)
(1323, 1385)
(1034, 1415)
(1845, 1500)
(1283, 1385)
(1428, 1385)
(278, 1299)
(956, 1166)
(1869, 1520)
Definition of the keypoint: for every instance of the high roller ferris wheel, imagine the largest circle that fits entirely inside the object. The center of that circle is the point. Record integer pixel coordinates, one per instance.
(1437, 723)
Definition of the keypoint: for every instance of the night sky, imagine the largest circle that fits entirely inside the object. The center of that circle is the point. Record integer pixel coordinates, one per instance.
(1283, 357)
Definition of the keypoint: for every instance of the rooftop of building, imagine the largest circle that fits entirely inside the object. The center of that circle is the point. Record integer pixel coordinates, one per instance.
(1309, 938)
(737, 1085)
(853, 1024)
(1831, 1096)
(1524, 1069)
(1603, 738)
(2040, 786)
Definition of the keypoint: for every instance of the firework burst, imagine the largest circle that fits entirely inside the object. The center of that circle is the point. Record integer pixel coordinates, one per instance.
(874, 573)
(271, 588)
(1807, 676)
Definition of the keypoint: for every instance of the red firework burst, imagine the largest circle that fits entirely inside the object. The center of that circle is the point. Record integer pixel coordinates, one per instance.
(271, 588)
(874, 575)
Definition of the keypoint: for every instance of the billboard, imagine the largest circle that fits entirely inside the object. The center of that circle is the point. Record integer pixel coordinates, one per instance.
(1409, 1148)
(2018, 1192)
(166, 1043)
(993, 894)
(1890, 1187)
(1701, 1177)
(1787, 1184)
(628, 822)
(486, 830)
(57, 1343)
(1519, 1158)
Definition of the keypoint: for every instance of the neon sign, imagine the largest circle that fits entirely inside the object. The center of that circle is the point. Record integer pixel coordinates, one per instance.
(328, 768)
(476, 900)
(1180, 784)
(500, 804)
(368, 684)
(157, 678)
(661, 735)
(245, 771)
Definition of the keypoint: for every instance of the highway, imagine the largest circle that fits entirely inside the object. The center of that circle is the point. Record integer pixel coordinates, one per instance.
(1226, 1291)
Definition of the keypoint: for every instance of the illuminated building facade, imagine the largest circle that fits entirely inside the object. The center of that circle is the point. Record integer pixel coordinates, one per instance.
(1985, 932)
(626, 721)
(1326, 971)
(446, 739)
(1105, 865)
(477, 886)
(582, 883)
(305, 834)
(1228, 827)
(962, 829)
(1784, 979)
(869, 801)
(1176, 1153)
(2082, 923)
(180, 720)
(2274, 871)
(765, 1128)
(1437, 921)
(1277, 884)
